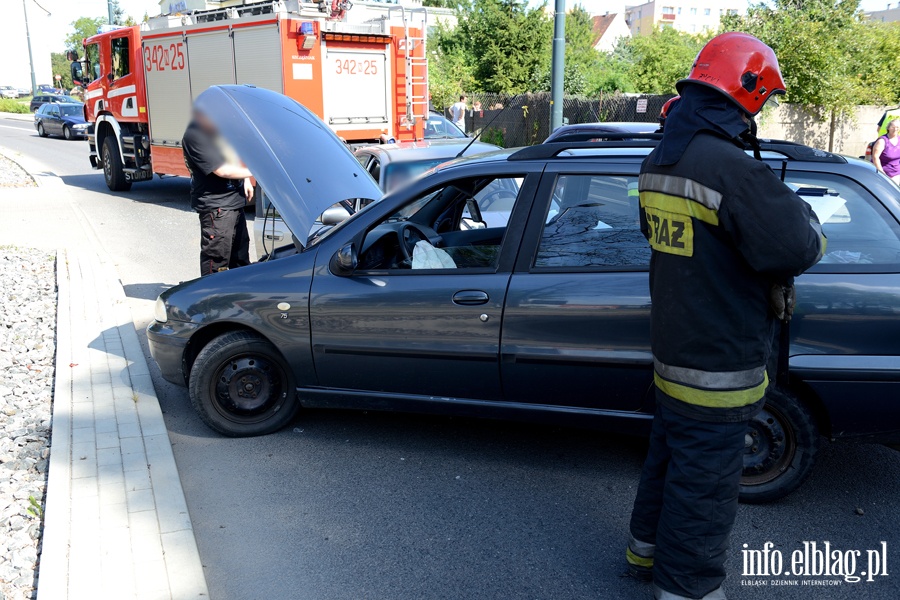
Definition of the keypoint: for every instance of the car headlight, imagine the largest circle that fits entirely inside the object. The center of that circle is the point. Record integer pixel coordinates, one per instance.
(81, 126)
(159, 311)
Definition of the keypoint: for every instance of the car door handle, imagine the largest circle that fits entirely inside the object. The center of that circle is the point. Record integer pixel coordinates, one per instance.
(275, 236)
(470, 298)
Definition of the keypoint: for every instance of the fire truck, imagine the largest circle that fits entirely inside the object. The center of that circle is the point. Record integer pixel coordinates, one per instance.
(363, 71)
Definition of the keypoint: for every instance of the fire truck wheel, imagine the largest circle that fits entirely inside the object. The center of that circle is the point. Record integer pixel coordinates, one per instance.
(112, 166)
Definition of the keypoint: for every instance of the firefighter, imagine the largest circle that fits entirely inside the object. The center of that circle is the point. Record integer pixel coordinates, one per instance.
(727, 238)
(664, 112)
(219, 192)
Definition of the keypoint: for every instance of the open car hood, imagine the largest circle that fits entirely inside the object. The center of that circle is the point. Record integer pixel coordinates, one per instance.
(301, 164)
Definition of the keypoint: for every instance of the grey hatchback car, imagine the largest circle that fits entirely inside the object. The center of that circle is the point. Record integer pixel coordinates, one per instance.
(420, 302)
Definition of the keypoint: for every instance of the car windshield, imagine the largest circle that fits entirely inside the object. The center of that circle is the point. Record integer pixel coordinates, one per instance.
(437, 127)
(70, 111)
(396, 174)
(326, 231)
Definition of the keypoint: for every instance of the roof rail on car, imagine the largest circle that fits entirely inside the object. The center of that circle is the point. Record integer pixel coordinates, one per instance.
(790, 150)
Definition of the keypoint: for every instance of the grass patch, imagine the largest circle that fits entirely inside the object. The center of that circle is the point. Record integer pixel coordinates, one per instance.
(13, 106)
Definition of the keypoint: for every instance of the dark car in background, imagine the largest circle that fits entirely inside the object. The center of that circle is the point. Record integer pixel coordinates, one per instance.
(598, 132)
(64, 119)
(419, 303)
(42, 99)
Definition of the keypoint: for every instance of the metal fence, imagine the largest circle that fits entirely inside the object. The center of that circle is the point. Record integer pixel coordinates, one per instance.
(524, 119)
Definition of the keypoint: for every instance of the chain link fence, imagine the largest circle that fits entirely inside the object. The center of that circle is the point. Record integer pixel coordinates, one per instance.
(524, 119)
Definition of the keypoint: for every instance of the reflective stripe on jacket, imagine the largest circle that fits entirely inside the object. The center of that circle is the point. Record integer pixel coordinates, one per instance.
(723, 228)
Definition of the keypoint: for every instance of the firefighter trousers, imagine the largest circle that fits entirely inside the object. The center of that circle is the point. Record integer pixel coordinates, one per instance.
(686, 504)
(224, 241)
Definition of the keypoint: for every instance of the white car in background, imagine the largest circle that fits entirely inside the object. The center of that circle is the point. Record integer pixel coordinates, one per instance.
(8, 91)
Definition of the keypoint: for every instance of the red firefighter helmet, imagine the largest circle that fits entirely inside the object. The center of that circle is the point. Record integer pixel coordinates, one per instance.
(664, 111)
(741, 67)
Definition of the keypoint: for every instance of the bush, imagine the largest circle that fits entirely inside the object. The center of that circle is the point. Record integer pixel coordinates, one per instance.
(13, 106)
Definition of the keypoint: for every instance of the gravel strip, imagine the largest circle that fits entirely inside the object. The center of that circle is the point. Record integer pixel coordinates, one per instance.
(27, 342)
(12, 175)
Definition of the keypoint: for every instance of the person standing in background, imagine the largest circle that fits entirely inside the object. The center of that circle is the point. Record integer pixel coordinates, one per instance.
(458, 112)
(886, 152)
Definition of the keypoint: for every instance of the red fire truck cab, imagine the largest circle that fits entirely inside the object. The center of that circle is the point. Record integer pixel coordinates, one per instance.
(364, 72)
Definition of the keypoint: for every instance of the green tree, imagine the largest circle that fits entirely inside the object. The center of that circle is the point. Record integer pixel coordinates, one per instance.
(658, 60)
(60, 66)
(82, 28)
(581, 59)
(817, 44)
(503, 41)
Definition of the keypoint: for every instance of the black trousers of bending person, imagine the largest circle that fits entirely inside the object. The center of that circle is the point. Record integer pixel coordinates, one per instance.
(687, 501)
(224, 241)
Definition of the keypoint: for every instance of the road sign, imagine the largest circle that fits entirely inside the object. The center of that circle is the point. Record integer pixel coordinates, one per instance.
(641, 106)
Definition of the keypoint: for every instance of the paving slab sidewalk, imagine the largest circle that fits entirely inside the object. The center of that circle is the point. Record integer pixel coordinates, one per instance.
(116, 524)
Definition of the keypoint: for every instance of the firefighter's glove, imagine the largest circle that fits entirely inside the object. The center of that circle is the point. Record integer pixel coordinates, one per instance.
(782, 299)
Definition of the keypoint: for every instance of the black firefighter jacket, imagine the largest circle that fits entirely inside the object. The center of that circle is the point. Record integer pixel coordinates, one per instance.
(723, 228)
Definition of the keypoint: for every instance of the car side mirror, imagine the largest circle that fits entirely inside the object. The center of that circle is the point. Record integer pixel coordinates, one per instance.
(335, 215)
(110, 76)
(344, 261)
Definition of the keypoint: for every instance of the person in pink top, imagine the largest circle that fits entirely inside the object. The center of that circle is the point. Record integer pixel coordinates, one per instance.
(886, 153)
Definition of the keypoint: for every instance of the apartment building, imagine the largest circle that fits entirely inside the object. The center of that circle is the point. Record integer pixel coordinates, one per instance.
(690, 16)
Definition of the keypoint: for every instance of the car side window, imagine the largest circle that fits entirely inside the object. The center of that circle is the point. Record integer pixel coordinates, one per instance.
(54, 110)
(593, 222)
(860, 231)
(120, 58)
(428, 232)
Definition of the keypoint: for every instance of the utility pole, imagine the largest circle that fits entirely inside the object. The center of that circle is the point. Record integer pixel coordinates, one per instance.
(557, 67)
(111, 12)
(30, 57)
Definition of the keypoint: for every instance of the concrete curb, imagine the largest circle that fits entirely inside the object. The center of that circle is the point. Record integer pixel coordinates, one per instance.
(55, 543)
(116, 522)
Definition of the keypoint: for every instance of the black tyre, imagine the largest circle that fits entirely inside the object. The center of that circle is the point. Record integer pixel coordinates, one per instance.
(781, 447)
(240, 385)
(41, 131)
(112, 166)
(67, 132)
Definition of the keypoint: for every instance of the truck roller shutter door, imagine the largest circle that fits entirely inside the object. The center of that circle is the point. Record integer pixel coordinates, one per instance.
(211, 60)
(168, 89)
(356, 88)
(257, 57)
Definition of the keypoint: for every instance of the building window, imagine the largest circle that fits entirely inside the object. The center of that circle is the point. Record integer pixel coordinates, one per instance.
(706, 12)
(693, 12)
(693, 29)
(732, 11)
(668, 10)
(678, 10)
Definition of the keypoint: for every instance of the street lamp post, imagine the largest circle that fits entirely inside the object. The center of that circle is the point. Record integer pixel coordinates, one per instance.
(110, 12)
(557, 68)
(30, 57)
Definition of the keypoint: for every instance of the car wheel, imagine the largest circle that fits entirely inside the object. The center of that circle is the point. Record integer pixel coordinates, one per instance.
(67, 132)
(112, 166)
(782, 442)
(240, 385)
(41, 131)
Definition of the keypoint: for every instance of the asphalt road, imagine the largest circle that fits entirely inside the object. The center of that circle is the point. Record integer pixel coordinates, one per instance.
(347, 505)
